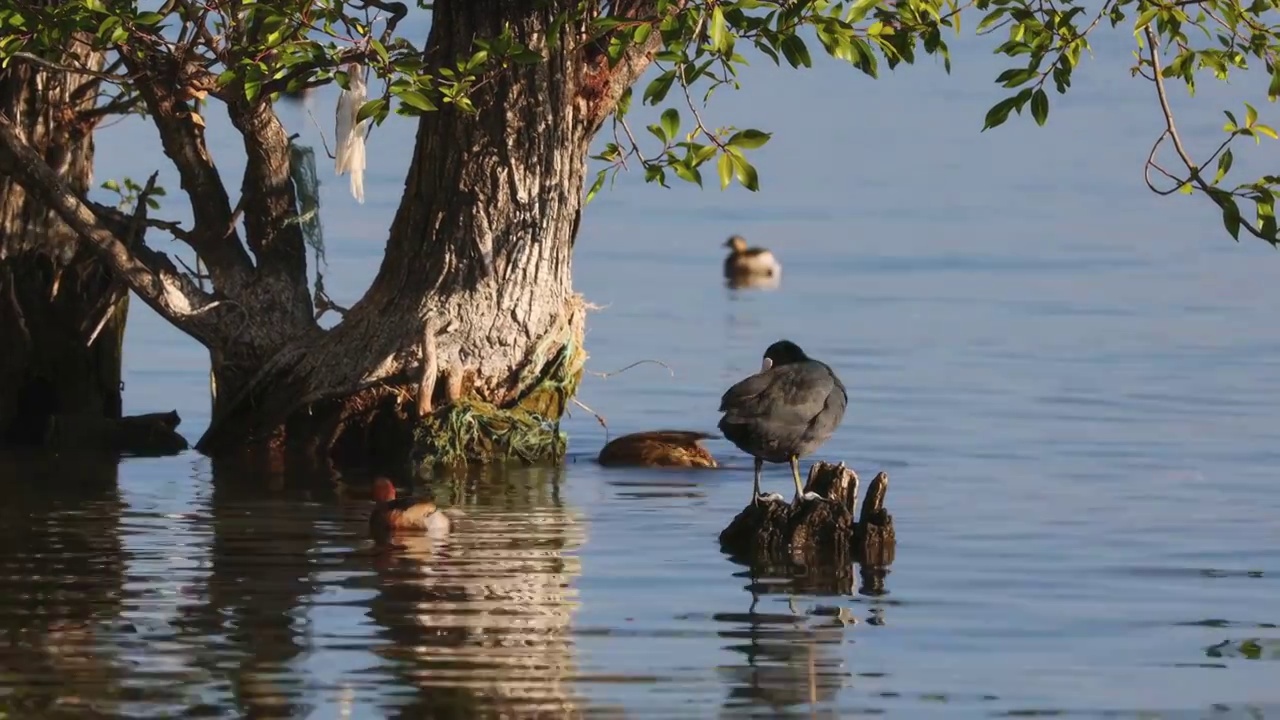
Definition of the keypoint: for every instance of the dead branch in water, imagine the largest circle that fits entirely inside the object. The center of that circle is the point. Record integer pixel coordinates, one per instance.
(151, 435)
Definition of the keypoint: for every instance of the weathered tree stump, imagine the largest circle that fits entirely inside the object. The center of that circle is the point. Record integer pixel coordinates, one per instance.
(819, 531)
(152, 435)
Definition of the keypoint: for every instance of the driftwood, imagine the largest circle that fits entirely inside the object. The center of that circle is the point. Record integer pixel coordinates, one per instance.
(153, 434)
(819, 533)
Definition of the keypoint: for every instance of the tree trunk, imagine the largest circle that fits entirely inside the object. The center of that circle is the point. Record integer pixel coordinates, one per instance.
(476, 276)
(468, 344)
(62, 316)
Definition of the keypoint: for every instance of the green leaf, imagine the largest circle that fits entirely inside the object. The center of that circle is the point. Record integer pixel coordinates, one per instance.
(998, 113)
(671, 122)
(1040, 106)
(659, 87)
(111, 185)
(371, 109)
(1265, 130)
(687, 173)
(641, 34)
(991, 19)
(1224, 166)
(148, 18)
(1146, 17)
(1231, 217)
(749, 139)
(725, 167)
(702, 153)
(654, 173)
(595, 186)
(719, 32)
(859, 10)
(746, 173)
(108, 26)
(1250, 115)
(415, 99)
(526, 57)
(796, 52)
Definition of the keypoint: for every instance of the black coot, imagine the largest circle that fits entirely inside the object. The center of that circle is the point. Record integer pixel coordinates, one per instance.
(785, 411)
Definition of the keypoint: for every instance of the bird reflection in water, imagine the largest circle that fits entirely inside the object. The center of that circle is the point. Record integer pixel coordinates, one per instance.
(792, 660)
(485, 628)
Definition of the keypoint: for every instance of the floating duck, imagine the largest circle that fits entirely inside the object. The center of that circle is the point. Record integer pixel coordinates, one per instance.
(749, 261)
(658, 448)
(391, 514)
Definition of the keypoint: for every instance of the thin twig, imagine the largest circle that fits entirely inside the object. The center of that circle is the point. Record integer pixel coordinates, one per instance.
(323, 141)
(1171, 130)
(1152, 164)
(37, 60)
(199, 276)
(117, 290)
(598, 416)
(638, 362)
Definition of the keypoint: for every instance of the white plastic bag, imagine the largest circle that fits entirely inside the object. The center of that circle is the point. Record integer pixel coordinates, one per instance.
(350, 151)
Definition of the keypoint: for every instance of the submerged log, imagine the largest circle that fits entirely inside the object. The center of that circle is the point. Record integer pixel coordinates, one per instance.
(658, 448)
(819, 530)
(150, 435)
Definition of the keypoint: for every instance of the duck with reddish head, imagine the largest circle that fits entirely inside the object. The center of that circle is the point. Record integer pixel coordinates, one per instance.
(393, 514)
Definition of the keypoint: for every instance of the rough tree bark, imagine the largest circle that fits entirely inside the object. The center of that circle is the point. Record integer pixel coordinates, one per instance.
(478, 256)
(62, 315)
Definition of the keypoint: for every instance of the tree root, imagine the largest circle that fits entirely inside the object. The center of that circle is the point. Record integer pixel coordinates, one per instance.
(150, 435)
(818, 533)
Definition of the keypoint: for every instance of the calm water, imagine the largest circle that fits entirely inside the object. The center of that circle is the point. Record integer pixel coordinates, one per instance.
(1073, 385)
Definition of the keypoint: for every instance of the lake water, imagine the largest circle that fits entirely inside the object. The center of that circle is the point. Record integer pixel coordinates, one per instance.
(1073, 384)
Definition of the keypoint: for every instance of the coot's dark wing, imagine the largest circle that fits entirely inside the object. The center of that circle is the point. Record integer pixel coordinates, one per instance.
(786, 395)
(745, 390)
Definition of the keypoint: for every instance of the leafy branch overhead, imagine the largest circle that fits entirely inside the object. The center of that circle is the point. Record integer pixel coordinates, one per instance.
(701, 49)
(1173, 41)
(247, 53)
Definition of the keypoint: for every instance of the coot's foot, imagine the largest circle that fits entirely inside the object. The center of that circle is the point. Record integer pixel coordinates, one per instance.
(808, 496)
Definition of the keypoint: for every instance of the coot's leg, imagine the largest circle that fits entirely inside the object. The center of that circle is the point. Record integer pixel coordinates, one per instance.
(755, 496)
(795, 474)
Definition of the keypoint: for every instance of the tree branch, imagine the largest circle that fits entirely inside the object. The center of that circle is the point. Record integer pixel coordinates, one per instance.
(1220, 197)
(268, 193)
(158, 79)
(148, 273)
